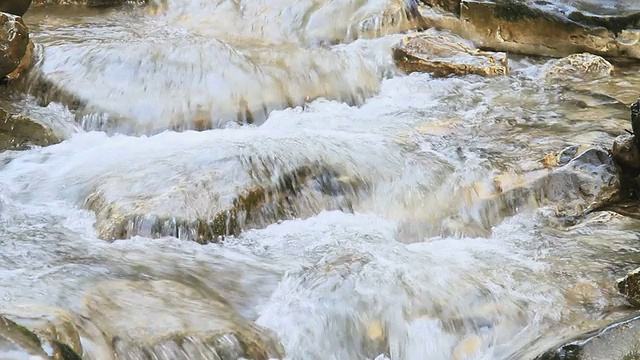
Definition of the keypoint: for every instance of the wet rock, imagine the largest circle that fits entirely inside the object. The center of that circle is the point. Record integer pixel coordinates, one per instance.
(254, 88)
(15, 7)
(188, 323)
(583, 66)
(19, 133)
(629, 286)
(14, 41)
(625, 151)
(563, 157)
(18, 342)
(539, 28)
(25, 64)
(442, 54)
(613, 342)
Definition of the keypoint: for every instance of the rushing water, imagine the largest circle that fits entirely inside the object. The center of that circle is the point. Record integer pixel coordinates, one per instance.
(408, 261)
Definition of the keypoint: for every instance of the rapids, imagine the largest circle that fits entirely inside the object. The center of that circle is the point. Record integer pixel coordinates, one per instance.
(173, 94)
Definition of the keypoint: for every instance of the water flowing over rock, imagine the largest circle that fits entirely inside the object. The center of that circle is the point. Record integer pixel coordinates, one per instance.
(19, 132)
(17, 342)
(14, 41)
(187, 323)
(442, 54)
(588, 182)
(542, 28)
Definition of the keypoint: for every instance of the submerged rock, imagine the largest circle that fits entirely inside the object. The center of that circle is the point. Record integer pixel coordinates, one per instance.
(613, 342)
(14, 41)
(18, 342)
(187, 323)
(629, 286)
(272, 194)
(442, 54)
(540, 28)
(19, 133)
(583, 66)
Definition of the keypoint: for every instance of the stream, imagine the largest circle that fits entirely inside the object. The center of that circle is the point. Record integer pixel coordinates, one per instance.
(182, 95)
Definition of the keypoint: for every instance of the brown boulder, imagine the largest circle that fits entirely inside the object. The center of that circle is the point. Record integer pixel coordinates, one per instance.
(14, 38)
(625, 151)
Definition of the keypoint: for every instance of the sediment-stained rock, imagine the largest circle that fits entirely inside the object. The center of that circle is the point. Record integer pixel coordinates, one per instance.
(442, 54)
(19, 133)
(14, 42)
(188, 323)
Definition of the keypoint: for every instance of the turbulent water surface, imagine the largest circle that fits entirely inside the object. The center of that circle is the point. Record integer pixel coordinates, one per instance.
(179, 95)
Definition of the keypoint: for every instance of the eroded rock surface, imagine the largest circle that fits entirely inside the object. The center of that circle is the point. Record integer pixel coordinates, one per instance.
(14, 41)
(19, 133)
(540, 28)
(187, 324)
(442, 54)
